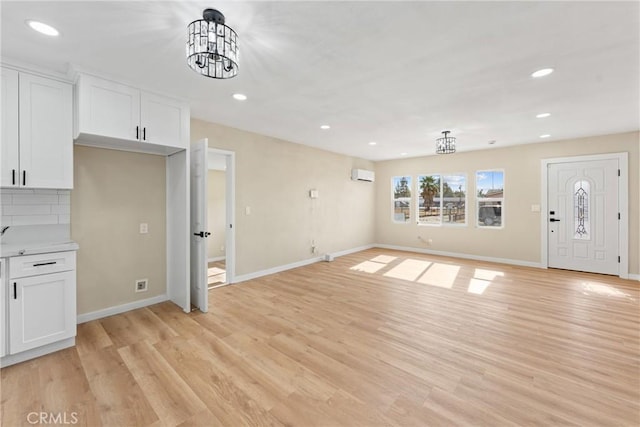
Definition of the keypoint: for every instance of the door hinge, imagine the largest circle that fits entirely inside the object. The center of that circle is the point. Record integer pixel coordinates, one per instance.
(618, 259)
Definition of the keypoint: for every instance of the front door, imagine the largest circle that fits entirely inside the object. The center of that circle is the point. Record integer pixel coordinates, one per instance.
(583, 216)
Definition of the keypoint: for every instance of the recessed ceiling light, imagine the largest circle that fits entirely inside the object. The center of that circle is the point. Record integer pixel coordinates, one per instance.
(43, 28)
(325, 127)
(541, 73)
(546, 135)
(403, 154)
(239, 97)
(542, 115)
(373, 143)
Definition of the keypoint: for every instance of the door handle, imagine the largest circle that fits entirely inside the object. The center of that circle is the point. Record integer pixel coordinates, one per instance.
(554, 220)
(15, 290)
(13, 177)
(137, 132)
(202, 234)
(144, 133)
(24, 177)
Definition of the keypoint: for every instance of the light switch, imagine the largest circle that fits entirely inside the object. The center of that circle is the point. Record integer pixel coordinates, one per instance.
(247, 210)
(313, 194)
(535, 208)
(144, 228)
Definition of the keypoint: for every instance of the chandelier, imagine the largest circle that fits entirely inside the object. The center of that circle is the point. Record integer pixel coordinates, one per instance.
(446, 144)
(212, 47)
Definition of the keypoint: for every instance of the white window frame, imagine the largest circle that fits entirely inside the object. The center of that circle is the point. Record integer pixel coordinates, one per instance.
(485, 199)
(417, 210)
(393, 199)
(466, 200)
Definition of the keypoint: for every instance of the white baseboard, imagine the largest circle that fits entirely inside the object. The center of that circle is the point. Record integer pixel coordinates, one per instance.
(110, 311)
(216, 258)
(280, 268)
(461, 255)
(634, 277)
(351, 251)
(12, 359)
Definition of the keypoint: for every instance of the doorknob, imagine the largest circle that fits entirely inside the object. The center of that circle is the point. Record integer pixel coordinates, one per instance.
(554, 220)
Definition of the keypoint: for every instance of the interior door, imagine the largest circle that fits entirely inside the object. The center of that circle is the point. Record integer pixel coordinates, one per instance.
(583, 216)
(199, 231)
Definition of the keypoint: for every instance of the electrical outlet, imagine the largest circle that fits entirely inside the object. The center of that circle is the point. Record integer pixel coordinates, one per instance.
(144, 228)
(142, 285)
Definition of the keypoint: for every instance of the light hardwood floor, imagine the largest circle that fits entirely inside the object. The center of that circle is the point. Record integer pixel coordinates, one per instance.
(374, 338)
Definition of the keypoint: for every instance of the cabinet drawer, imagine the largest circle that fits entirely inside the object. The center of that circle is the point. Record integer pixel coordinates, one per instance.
(32, 265)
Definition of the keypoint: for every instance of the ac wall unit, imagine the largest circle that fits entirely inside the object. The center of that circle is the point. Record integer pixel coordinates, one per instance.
(362, 175)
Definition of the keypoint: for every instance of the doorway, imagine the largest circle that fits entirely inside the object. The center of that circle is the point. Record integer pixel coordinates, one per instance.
(216, 219)
(584, 214)
(216, 227)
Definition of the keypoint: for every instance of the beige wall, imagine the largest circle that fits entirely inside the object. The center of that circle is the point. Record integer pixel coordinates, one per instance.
(115, 191)
(216, 213)
(273, 178)
(520, 239)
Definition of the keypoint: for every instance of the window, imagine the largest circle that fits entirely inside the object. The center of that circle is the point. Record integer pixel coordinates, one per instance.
(442, 199)
(454, 199)
(490, 197)
(401, 198)
(581, 221)
(429, 203)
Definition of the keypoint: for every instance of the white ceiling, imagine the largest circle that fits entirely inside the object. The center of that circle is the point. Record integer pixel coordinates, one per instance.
(397, 73)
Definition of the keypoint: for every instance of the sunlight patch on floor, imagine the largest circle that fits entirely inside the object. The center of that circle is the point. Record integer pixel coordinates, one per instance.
(606, 290)
(441, 275)
(478, 286)
(487, 274)
(385, 259)
(408, 269)
(482, 279)
(368, 267)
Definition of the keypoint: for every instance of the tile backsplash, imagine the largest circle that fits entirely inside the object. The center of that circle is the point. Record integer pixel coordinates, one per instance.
(35, 207)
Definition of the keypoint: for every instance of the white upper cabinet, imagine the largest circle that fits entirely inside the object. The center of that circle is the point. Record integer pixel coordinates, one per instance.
(10, 154)
(108, 108)
(114, 115)
(38, 153)
(163, 120)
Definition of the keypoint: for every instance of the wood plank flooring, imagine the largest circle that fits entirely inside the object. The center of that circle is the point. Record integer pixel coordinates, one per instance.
(217, 274)
(374, 338)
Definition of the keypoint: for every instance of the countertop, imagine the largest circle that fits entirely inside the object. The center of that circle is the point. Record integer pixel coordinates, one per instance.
(32, 248)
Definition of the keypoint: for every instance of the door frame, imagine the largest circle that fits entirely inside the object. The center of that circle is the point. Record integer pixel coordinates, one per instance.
(623, 206)
(230, 211)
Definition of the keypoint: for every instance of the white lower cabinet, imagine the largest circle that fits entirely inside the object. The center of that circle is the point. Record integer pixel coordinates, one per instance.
(40, 298)
(3, 307)
(41, 310)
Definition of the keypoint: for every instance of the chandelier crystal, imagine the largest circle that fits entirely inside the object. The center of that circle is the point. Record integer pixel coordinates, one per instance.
(446, 144)
(212, 47)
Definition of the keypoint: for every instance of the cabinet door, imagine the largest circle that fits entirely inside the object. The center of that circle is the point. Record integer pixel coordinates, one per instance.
(108, 109)
(165, 121)
(46, 143)
(42, 310)
(9, 155)
(3, 307)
